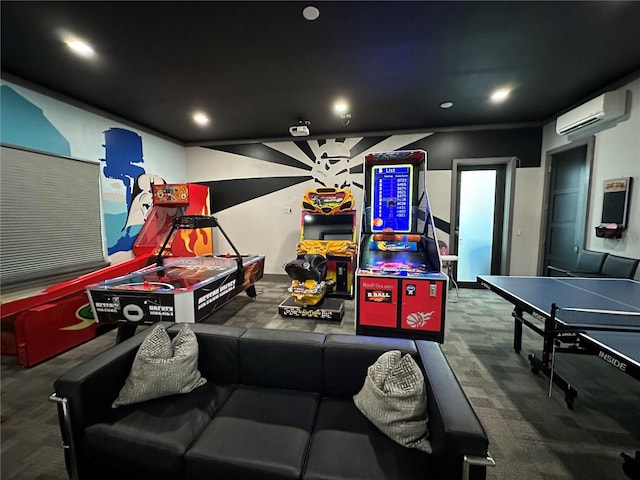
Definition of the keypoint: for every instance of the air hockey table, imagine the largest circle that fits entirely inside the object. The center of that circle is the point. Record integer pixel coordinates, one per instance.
(182, 289)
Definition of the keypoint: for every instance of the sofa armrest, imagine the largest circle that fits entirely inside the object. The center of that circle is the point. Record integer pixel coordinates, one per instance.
(89, 389)
(455, 432)
(558, 272)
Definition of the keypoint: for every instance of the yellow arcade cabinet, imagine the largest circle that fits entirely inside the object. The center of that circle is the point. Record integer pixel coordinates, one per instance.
(323, 271)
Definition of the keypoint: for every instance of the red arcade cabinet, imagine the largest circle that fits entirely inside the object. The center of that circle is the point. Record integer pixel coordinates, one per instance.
(401, 290)
(39, 325)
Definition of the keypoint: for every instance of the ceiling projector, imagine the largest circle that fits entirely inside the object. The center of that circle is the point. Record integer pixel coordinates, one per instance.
(299, 131)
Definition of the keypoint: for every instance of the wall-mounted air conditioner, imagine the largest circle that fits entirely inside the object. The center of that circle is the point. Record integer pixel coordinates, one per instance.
(604, 108)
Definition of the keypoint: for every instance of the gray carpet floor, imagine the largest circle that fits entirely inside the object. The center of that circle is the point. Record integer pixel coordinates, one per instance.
(532, 436)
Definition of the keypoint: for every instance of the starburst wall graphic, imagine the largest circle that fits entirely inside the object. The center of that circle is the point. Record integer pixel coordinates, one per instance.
(322, 163)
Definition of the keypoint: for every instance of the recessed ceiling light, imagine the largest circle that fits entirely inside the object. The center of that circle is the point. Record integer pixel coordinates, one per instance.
(310, 13)
(341, 106)
(500, 95)
(80, 47)
(446, 105)
(201, 119)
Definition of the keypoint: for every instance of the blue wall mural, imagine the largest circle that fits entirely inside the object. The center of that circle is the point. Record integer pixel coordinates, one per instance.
(25, 125)
(123, 156)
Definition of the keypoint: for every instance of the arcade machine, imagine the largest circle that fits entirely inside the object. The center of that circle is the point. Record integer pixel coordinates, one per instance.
(39, 326)
(170, 201)
(176, 289)
(323, 270)
(401, 291)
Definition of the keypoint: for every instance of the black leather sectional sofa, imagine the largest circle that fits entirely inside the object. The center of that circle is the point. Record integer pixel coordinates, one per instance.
(598, 265)
(276, 405)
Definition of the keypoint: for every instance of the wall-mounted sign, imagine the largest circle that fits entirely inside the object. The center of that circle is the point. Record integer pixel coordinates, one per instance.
(615, 207)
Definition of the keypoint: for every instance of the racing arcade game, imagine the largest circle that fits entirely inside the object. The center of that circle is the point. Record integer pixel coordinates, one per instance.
(325, 256)
(401, 290)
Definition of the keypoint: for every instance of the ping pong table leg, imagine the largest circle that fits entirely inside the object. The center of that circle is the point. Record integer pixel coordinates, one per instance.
(517, 329)
(538, 366)
(545, 365)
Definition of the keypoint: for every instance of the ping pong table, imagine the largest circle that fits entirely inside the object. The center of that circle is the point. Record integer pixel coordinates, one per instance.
(591, 316)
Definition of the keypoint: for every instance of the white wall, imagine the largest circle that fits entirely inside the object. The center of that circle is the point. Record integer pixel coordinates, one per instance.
(616, 154)
(438, 184)
(527, 215)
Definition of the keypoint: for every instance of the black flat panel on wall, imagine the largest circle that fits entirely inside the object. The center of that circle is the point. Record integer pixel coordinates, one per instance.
(229, 193)
(443, 147)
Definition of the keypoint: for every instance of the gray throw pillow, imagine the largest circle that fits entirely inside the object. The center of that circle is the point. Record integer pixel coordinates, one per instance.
(394, 399)
(162, 367)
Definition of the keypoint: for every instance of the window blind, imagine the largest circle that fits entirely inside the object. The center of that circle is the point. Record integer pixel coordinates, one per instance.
(50, 216)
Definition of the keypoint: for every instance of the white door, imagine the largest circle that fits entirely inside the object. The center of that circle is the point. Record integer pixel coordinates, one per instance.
(475, 235)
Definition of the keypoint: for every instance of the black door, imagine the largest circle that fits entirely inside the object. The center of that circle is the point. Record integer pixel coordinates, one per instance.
(566, 207)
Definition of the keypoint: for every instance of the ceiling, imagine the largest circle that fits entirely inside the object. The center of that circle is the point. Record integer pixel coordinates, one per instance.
(257, 68)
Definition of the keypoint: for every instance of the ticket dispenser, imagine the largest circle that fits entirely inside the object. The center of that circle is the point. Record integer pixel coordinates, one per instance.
(400, 288)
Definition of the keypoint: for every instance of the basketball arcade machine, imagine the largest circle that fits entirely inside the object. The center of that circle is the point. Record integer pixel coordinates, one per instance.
(170, 201)
(401, 290)
(40, 326)
(325, 262)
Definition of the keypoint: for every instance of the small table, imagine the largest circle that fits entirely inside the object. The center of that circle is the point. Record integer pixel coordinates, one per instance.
(449, 259)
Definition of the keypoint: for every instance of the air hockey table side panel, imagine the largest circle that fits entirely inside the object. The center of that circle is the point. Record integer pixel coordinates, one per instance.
(189, 294)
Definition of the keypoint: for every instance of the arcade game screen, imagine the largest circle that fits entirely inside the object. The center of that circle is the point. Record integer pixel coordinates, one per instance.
(328, 227)
(391, 201)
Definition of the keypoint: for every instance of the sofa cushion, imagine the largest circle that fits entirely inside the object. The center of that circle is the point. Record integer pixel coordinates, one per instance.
(589, 263)
(346, 446)
(217, 346)
(162, 367)
(281, 359)
(393, 399)
(347, 358)
(619, 267)
(258, 434)
(151, 437)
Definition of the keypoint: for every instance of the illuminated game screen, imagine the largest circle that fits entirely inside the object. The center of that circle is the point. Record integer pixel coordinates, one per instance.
(391, 188)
